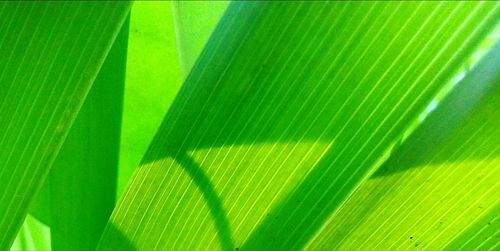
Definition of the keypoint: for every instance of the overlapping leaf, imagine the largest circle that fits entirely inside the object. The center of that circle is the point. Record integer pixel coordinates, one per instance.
(194, 22)
(439, 190)
(290, 107)
(46, 70)
(153, 77)
(82, 182)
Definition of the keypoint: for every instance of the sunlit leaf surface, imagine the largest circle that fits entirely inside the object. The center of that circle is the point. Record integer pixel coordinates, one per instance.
(249, 125)
(440, 189)
(290, 107)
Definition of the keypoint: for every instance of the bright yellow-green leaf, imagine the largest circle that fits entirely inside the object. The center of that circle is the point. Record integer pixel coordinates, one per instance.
(290, 107)
(440, 189)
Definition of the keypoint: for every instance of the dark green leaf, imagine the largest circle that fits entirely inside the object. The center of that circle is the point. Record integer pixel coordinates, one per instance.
(50, 55)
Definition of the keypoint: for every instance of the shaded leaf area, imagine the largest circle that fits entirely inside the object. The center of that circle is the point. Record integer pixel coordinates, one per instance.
(39, 206)
(51, 53)
(434, 190)
(82, 181)
(289, 107)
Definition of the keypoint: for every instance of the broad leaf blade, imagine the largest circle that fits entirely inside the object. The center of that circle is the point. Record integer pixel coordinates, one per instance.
(288, 109)
(51, 53)
(440, 189)
(83, 179)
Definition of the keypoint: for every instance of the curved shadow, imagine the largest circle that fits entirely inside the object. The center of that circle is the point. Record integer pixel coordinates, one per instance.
(210, 196)
(230, 119)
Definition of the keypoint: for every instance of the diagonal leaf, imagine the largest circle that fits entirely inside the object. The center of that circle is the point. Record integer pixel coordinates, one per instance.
(82, 181)
(289, 108)
(51, 53)
(194, 22)
(153, 78)
(441, 182)
(40, 204)
(481, 234)
(154, 59)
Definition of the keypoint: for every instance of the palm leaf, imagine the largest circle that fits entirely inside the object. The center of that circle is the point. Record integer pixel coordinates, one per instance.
(442, 181)
(288, 110)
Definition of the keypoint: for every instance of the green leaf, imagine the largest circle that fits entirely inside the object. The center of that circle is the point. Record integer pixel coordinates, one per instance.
(153, 78)
(154, 59)
(33, 235)
(194, 22)
(82, 181)
(439, 190)
(40, 204)
(51, 53)
(290, 107)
